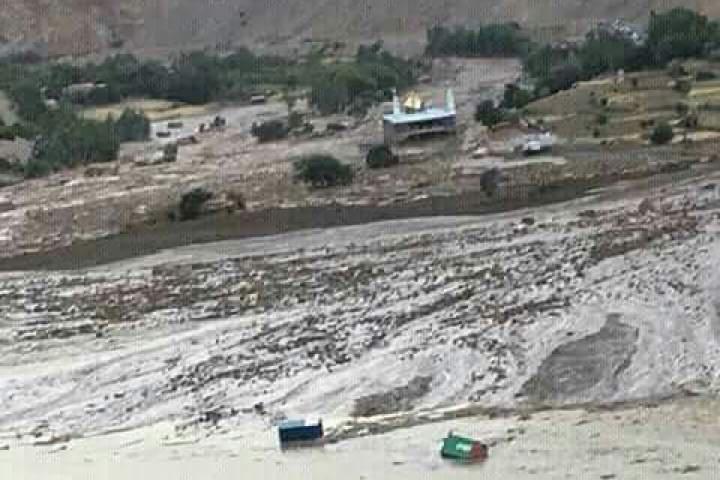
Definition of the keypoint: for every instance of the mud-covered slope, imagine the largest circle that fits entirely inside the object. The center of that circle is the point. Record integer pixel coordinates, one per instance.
(613, 304)
(80, 26)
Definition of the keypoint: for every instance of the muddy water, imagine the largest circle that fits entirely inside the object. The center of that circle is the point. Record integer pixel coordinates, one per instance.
(674, 440)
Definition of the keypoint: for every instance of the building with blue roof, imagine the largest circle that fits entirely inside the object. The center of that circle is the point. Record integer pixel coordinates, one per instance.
(413, 118)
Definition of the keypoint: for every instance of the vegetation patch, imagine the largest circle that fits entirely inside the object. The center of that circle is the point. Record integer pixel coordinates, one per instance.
(192, 203)
(662, 134)
(381, 156)
(322, 171)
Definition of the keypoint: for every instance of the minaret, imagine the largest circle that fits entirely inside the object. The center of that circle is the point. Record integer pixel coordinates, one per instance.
(450, 100)
(396, 103)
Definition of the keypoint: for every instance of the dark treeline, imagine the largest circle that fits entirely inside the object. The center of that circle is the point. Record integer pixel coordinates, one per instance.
(676, 34)
(501, 40)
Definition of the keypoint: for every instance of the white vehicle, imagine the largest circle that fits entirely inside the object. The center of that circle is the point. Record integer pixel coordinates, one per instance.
(538, 144)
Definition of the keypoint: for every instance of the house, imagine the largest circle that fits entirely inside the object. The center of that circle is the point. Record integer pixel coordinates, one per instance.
(414, 118)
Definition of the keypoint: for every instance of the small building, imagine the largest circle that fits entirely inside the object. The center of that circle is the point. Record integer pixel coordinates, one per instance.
(413, 118)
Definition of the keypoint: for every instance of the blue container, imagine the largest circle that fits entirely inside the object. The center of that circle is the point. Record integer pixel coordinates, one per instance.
(297, 431)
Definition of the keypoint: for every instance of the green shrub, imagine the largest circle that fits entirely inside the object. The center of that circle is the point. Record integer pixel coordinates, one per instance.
(662, 134)
(192, 202)
(381, 156)
(132, 126)
(682, 108)
(490, 180)
(683, 85)
(601, 119)
(69, 141)
(295, 120)
(705, 75)
(269, 131)
(322, 171)
(516, 97)
(488, 114)
(16, 130)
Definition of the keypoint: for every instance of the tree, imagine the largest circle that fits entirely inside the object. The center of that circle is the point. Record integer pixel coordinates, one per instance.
(564, 77)
(495, 40)
(662, 134)
(269, 131)
(603, 52)
(515, 97)
(28, 100)
(132, 126)
(680, 33)
(490, 180)
(488, 114)
(322, 171)
(194, 78)
(192, 202)
(381, 156)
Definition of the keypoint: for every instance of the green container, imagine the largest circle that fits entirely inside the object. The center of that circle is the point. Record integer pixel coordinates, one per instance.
(462, 448)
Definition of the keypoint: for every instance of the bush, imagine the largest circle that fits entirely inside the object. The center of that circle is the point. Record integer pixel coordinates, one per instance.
(601, 119)
(381, 156)
(705, 75)
(662, 134)
(269, 131)
(677, 70)
(68, 141)
(488, 114)
(563, 77)
(132, 126)
(489, 181)
(682, 109)
(295, 120)
(516, 97)
(192, 202)
(17, 130)
(322, 171)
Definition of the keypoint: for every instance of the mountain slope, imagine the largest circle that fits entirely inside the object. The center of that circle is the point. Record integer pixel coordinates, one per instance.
(82, 26)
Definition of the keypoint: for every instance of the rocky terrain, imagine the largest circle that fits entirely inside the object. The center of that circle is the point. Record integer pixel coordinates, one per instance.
(84, 26)
(555, 305)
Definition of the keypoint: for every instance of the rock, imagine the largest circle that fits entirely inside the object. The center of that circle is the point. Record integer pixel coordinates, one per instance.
(4, 447)
(6, 204)
(481, 152)
(53, 440)
(101, 170)
(647, 206)
(690, 468)
(187, 140)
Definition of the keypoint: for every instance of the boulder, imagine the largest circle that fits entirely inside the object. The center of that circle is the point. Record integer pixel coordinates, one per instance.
(100, 170)
(6, 204)
(647, 206)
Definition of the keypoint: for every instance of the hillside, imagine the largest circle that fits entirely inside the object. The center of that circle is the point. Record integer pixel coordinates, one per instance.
(83, 26)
